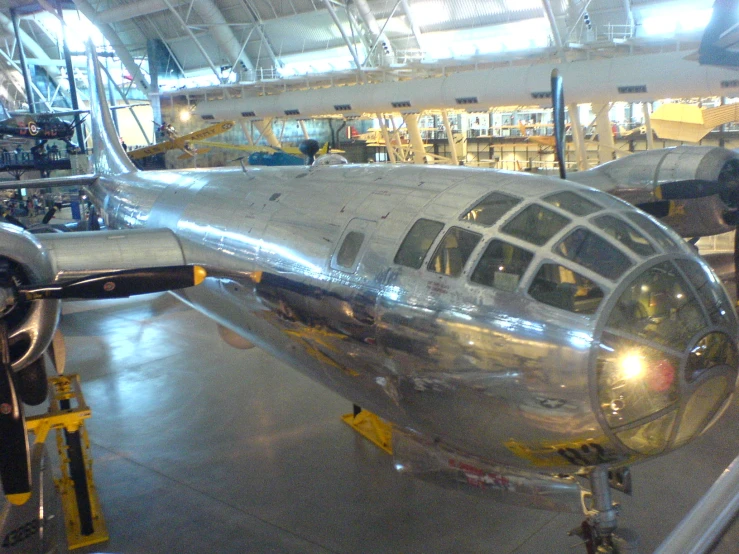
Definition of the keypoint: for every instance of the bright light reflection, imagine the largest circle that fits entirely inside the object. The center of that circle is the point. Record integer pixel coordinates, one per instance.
(580, 340)
(79, 29)
(632, 366)
(676, 21)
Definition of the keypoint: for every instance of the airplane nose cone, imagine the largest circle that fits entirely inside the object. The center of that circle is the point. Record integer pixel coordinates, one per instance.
(667, 358)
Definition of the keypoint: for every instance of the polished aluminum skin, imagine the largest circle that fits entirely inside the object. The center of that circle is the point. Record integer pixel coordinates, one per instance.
(498, 370)
(31, 326)
(495, 373)
(508, 320)
(634, 177)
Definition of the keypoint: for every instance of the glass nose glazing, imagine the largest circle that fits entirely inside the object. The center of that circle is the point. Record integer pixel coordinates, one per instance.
(667, 359)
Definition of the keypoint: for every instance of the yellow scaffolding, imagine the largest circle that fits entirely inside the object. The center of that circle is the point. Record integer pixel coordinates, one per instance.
(67, 412)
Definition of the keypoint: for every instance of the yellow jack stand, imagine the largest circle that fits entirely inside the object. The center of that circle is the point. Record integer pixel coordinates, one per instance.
(371, 427)
(85, 523)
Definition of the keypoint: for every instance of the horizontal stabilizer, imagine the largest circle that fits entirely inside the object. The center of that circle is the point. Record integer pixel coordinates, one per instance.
(51, 182)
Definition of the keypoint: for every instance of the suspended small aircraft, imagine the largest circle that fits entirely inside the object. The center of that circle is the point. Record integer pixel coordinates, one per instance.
(41, 126)
(517, 330)
(186, 143)
(543, 140)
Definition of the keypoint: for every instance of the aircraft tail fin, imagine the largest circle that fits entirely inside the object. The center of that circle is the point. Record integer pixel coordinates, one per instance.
(718, 45)
(108, 156)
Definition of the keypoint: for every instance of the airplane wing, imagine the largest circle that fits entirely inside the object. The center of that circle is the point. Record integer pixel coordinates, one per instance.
(152, 150)
(179, 142)
(189, 154)
(258, 148)
(208, 132)
(241, 147)
(51, 182)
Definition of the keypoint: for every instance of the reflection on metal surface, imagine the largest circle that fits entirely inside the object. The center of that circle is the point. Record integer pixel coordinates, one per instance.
(455, 470)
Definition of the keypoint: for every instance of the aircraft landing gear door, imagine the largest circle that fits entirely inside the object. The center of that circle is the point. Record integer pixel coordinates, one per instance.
(353, 259)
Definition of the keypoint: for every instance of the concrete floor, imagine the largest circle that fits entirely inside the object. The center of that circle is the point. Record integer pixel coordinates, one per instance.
(199, 447)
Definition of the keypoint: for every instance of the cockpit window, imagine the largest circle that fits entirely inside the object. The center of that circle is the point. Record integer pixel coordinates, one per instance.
(490, 209)
(535, 224)
(561, 287)
(573, 203)
(711, 293)
(625, 234)
(659, 306)
(635, 381)
(589, 250)
(501, 266)
(652, 229)
(453, 251)
(417, 243)
(347, 254)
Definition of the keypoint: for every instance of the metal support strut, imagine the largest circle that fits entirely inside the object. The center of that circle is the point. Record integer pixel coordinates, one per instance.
(598, 531)
(370, 427)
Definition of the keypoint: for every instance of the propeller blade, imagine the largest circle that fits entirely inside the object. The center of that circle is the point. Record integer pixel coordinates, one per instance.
(15, 460)
(688, 189)
(120, 284)
(558, 108)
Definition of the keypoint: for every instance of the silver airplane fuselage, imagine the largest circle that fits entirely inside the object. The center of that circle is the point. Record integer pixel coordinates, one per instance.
(522, 365)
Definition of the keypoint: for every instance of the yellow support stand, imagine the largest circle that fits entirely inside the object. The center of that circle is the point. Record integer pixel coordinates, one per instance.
(67, 412)
(371, 427)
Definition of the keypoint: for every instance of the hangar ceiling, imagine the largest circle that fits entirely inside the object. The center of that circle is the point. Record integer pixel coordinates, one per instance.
(207, 43)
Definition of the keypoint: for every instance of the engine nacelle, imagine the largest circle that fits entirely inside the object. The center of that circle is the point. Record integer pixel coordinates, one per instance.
(634, 178)
(31, 326)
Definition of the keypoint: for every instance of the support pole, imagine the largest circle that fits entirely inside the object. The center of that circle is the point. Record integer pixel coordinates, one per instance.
(647, 107)
(414, 134)
(265, 128)
(70, 78)
(449, 136)
(349, 45)
(606, 143)
(552, 24)
(24, 65)
(578, 137)
(302, 128)
(386, 138)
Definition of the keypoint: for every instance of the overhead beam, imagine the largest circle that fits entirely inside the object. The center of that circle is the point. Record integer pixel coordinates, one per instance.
(116, 43)
(552, 23)
(221, 32)
(349, 44)
(415, 29)
(192, 36)
(259, 27)
(378, 35)
(124, 12)
(6, 25)
(629, 16)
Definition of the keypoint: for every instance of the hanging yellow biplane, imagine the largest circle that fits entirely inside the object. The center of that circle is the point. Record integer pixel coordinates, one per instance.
(186, 143)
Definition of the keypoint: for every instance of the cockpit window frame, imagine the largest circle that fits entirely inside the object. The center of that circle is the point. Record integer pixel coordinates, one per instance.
(529, 239)
(600, 282)
(408, 236)
(473, 235)
(627, 262)
(515, 201)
